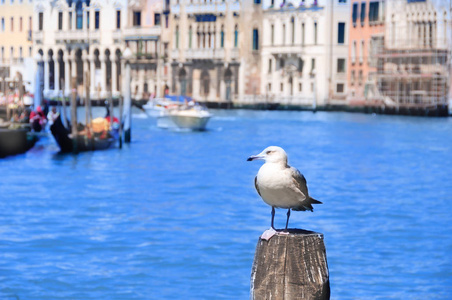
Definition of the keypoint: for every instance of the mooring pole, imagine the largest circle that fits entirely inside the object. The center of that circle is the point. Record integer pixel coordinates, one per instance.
(127, 98)
(121, 103)
(74, 116)
(290, 265)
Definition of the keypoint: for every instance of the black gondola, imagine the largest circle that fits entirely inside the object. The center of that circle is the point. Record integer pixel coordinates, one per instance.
(65, 142)
(15, 141)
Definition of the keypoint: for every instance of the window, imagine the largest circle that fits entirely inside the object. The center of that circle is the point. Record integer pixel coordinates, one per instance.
(20, 24)
(269, 88)
(20, 52)
(342, 1)
(177, 37)
(270, 66)
(281, 88)
(312, 64)
(257, 1)
(3, 53)
(341, 65)
(79, 15)
(340, 33)
(118, 19)
(282, 63)
(352, 77)
(300, 87)
(136, 18)
(190, 35)
(361, 52)
(236, 36)
(3, 24)
(340, 88)
(96, 19)
(60, 20)
(373, 11)
(70, 21)
(255, 39)
(29, 51)
(284, 34)
(315, 33)
(360, 77)
(157, 20)
(302, 33)
(12, 24)
(363, 13)
(292, 21)
(166, 21)
(353, 58)
(222, 37)
(30, 24)
(273, 34)
(355, 13)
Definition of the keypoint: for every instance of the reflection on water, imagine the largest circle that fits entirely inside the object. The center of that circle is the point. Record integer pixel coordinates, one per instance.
(175, 214)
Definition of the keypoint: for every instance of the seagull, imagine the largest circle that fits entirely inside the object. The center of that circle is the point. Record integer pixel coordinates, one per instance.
(280, 185)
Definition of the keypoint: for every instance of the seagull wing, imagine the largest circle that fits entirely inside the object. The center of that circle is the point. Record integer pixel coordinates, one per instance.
(300, 183)
(256, 186)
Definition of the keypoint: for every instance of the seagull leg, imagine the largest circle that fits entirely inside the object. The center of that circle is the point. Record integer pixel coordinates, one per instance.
(273, 217)
(288, 216)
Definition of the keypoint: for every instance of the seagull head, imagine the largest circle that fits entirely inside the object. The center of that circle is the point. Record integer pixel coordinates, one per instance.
(272, 154)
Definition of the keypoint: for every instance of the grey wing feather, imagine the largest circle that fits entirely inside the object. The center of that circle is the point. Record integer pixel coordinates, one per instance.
(256, 186)
(300, 183)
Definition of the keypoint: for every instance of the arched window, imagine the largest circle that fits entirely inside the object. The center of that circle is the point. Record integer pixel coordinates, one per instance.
(190, 33)
(292, 23)
(236, 36)
(222, 37)
(79, 15)
(255, 39)
(205, 83)
(177, 37)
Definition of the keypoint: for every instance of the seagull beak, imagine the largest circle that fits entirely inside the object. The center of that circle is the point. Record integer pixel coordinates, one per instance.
(254, 157)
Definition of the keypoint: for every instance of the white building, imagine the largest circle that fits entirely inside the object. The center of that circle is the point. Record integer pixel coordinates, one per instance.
(305, 51)
(73, 36)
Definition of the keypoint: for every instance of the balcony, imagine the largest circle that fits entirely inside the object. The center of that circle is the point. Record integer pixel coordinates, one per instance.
(82, 36)
(286, 50)
(142, 33)
(204, 54)
(38, 37)
(201, 7)
(235, 54)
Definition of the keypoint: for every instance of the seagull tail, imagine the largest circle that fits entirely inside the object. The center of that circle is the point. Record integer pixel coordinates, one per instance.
(314, 201)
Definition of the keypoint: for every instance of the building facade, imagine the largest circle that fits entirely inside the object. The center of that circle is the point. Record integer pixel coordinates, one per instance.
(367, 30)
(413, 68)
(16, 46)
(143, 35)
(72, 37)
(304, 51)
(205, 58)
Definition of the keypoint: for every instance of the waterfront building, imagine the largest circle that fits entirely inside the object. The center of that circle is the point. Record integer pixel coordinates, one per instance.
(16, 47)
(305, 51)
(215, 49)
(413, 67)
(71, 37)
(367, 29)
(143, 35)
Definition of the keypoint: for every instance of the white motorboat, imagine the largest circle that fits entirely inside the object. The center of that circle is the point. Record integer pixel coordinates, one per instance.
(172, 113)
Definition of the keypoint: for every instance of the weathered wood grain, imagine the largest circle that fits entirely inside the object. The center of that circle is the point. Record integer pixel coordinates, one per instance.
(291, 266)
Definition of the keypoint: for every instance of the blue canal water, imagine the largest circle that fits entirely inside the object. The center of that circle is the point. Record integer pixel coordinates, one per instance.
(174, 215)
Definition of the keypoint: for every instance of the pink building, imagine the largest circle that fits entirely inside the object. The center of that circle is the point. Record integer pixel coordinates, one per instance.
(366, 36)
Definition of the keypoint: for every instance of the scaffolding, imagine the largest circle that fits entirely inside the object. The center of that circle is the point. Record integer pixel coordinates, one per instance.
(413, 78)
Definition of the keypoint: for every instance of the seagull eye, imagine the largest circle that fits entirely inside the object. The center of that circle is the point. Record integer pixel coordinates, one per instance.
(268, 152)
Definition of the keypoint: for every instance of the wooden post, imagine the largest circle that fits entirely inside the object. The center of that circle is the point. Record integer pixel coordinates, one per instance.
(74, 115)
(89, 134)
(290, 266)
(121, 103)
(63, 102)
